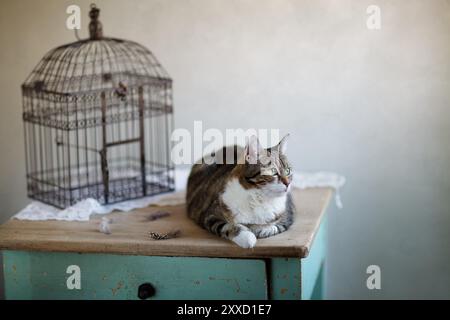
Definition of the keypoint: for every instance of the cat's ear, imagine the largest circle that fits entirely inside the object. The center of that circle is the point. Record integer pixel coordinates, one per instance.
(252, 150)
(282, 146)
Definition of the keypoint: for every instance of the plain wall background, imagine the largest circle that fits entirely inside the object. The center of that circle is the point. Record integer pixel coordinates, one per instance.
(371, 105)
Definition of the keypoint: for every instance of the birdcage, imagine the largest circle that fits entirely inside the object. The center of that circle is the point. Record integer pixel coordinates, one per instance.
(97, 115)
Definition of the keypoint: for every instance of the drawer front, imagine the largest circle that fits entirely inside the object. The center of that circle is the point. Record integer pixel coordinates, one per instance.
(42, 275)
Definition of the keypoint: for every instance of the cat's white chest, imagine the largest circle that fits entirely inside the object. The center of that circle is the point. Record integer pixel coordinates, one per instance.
(252, 206)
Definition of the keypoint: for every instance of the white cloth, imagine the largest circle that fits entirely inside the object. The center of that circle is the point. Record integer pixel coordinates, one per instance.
(82, 210)
(320, 179)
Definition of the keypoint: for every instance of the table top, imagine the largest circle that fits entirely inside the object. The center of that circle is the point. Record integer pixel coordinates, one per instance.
(130, 233)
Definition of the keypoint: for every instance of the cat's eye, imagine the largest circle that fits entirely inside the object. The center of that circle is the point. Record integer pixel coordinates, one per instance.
(274, 171)
(287, 171)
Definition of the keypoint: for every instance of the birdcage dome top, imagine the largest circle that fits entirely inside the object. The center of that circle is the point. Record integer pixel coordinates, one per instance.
(96, 63)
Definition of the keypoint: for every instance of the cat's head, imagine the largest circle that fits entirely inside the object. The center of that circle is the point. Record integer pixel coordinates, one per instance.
(266, 169)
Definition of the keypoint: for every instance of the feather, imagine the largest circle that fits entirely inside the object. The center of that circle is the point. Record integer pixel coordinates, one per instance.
(158, 215)
(104, 226)
(165, 236)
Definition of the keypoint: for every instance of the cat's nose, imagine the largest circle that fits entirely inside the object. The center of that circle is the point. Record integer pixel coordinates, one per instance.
(285, 181)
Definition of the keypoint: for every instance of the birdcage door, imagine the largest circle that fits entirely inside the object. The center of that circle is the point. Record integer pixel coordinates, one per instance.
(122, 155)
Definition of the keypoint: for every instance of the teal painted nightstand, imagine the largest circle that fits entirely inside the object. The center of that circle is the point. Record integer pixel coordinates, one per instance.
(44, 259)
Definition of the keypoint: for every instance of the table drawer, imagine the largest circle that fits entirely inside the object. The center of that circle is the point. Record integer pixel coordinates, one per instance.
(42, 275)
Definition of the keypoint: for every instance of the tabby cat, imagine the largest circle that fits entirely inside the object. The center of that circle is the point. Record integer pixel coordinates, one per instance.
(245, 200)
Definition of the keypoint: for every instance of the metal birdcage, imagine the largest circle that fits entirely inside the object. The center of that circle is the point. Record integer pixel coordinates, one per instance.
(98, 116)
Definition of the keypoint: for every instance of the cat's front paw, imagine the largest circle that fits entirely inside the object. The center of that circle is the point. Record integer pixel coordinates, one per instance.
(245, 239)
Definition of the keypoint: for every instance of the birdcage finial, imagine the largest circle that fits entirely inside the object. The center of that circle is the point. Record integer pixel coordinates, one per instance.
(95, 26)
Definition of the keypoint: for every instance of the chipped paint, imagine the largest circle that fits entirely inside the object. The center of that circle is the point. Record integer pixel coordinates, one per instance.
(117, 288)
(228, 280)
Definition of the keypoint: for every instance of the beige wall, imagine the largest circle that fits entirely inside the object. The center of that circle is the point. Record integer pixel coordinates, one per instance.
(372, 105)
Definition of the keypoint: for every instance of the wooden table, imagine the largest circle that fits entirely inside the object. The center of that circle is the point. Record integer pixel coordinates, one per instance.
(45, 259)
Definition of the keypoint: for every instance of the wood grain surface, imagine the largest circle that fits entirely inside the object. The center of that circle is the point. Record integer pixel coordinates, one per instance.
(130, 233)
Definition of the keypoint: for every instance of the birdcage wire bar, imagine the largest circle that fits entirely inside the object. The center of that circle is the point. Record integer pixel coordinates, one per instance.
(97, 115)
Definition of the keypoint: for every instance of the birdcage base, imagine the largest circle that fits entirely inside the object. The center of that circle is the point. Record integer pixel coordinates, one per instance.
(128, 186)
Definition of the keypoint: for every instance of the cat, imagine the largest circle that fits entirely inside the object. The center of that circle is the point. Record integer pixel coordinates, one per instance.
(245, 200)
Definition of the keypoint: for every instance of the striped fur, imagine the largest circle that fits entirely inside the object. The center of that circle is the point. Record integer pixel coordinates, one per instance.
(242, 201)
